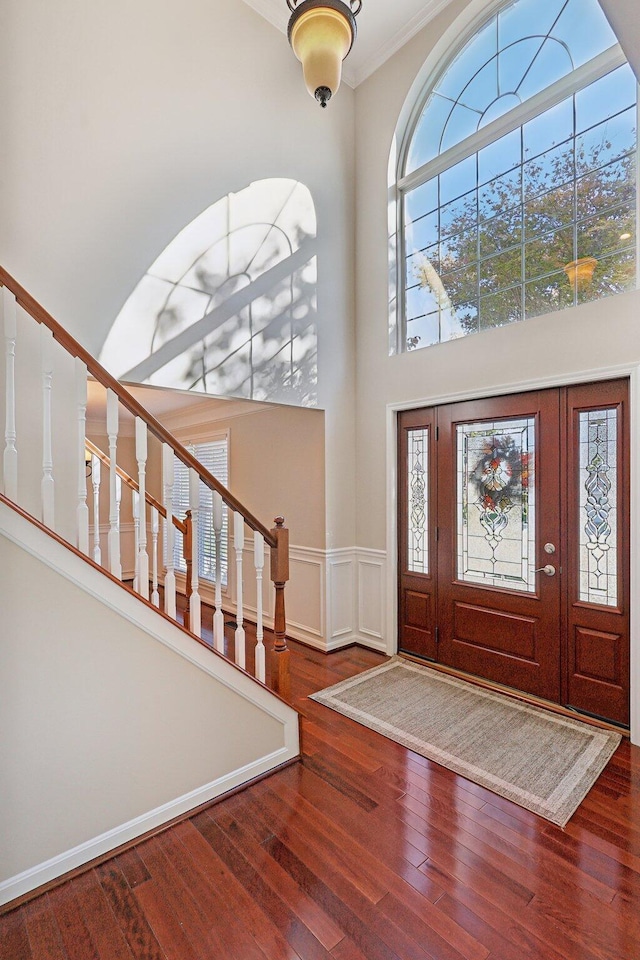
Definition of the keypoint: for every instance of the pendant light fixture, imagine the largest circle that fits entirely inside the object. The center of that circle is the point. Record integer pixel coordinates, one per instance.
(321, 34)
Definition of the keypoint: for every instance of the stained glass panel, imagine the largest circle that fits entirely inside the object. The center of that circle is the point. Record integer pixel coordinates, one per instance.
(598, 507)
(496, 503)
(418, 492)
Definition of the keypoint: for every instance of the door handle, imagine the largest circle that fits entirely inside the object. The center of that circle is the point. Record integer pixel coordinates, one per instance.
(548, 569)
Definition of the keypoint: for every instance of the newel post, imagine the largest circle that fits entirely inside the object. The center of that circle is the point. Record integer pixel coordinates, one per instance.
(280, 675)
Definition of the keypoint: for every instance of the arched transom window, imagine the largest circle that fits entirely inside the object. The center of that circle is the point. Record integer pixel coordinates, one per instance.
(517, 180)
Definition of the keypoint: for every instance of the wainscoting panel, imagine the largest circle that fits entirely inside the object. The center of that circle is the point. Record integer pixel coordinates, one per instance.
(340, 598)
(372, 610)
(304, 593)
(334, 598)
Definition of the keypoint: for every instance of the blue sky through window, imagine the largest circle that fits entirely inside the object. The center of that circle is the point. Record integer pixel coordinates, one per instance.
(519, 52)
(492, 232)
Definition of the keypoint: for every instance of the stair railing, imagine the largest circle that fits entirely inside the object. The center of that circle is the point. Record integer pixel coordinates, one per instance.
(96, 457)
(276, 539)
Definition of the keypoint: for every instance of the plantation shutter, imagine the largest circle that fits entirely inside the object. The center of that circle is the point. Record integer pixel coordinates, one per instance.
(214, 456)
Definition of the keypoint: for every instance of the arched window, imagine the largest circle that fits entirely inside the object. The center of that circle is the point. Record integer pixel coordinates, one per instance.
(516, 185)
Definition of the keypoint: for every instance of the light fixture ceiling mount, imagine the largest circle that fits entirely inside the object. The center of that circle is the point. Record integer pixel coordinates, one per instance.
(321, 34)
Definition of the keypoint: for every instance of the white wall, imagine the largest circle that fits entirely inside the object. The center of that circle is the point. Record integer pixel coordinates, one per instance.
(119, 124)
(555, 347)
(112, 721)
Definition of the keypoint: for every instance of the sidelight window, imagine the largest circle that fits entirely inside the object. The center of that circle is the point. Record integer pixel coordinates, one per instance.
(418, 500)
(598, 506)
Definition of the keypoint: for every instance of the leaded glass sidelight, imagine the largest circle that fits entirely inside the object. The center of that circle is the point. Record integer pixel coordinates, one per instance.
(496, 503)
(417, 499)
(598, 506)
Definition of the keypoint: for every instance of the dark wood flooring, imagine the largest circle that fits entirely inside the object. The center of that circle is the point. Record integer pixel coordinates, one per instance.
(362, 851)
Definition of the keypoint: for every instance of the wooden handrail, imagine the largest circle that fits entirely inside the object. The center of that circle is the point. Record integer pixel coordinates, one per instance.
(277, 538)
(38, 313)
(133, 485)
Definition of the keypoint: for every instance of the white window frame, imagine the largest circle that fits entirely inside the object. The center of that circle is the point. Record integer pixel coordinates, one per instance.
(552, 95)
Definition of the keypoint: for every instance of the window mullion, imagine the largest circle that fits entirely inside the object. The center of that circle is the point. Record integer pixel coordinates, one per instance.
(401, 276)
(523, 239)
(637, 190)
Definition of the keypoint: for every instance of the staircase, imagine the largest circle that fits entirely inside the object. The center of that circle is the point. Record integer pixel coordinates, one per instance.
(71, 591)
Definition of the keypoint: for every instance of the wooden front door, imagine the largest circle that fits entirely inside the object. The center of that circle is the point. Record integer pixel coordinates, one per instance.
(512, 546)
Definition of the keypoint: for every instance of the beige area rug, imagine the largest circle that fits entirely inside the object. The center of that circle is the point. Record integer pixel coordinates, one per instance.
(545, 762)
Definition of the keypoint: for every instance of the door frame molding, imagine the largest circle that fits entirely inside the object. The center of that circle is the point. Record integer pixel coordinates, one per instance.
(584, 376)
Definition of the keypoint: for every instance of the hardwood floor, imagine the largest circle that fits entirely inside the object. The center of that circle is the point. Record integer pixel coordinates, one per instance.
(363, 851)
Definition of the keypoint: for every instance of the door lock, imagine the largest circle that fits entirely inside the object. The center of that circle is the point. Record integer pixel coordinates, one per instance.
(548, 569)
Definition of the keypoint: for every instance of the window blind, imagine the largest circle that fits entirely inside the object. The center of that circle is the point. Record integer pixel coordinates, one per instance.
(214, 456)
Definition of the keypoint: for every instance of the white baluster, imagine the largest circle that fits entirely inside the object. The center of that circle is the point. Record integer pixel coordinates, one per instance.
(238, 542)
(195, 624)
(114, 524)
(141, 457)
(169, 577)
(155, 526)
(82, 510)
(218, 617)
(10, 457)
(258, 555)
(47, 486)
(135, 512)
(118, 499)
(95, 483)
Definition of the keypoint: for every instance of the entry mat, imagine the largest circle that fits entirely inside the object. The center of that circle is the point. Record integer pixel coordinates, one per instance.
(545, 762)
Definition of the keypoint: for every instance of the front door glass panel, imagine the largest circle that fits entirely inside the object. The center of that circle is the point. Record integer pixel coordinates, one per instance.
(418, 494)
(598, 507)
(496, 503)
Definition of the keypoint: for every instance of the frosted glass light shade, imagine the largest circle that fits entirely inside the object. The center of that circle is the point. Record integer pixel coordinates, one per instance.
(321, 35)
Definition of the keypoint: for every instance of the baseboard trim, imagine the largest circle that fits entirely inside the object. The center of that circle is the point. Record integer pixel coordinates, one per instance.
(355, 640)
(30, 883)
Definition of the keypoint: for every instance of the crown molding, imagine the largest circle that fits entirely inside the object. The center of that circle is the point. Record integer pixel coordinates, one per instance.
(396, 41)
